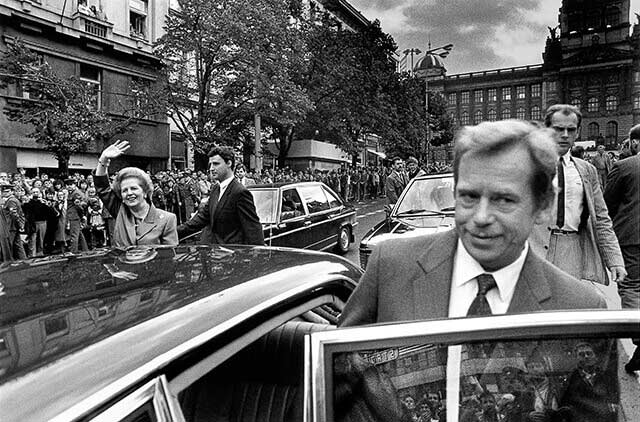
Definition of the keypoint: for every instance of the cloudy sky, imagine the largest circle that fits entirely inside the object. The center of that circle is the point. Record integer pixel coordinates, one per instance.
(486, 34)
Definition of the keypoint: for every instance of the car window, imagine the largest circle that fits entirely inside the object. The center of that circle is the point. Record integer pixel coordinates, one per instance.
(434, 194)
(334, 202)
(291, 204)
(552, 377)
(314, 198)
(266, 202)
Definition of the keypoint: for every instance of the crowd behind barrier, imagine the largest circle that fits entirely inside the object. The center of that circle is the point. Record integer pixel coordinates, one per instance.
(44, 215)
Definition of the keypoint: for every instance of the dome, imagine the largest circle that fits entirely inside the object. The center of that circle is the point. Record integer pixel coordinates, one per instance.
(429, 62)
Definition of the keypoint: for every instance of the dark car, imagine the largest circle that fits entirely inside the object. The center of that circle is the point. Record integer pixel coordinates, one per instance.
(164, 334)
(426, 205)
(305, 215)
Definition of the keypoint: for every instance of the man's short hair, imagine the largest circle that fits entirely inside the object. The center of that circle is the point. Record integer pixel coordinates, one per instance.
(412, 159)
(396, 158)
(225, 153)
(145, 181)
(566, 109)
(634, 133)
(241, 166)
(490, 138)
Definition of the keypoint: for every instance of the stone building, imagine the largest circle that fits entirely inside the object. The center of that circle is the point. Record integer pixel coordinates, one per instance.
(107, 44)
(591, 59)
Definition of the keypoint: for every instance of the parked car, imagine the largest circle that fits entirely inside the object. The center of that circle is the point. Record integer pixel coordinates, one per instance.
(161, 333)
(560, 366)
(426, 205)
(305, 215)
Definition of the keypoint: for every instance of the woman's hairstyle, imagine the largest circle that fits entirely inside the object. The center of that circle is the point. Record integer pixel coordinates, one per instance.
(144, 179)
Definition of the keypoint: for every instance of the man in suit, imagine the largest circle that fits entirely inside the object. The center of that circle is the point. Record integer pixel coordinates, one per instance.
(503, 174)
(396, 181)
(230, 215)
(241, 175)
(622, 196)
(578, 236)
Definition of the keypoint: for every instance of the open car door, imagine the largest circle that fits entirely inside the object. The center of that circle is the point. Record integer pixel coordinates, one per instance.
(560, 366)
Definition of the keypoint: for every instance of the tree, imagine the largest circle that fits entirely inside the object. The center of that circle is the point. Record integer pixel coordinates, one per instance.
(226, 61)
(63, 112)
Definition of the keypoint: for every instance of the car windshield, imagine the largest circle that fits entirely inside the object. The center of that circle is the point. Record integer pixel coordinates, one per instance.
(425, 196)
(266, 201)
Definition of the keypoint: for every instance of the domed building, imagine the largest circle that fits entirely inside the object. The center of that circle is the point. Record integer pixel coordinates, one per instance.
(591, 60)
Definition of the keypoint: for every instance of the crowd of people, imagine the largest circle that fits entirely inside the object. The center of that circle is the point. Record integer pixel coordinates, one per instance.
(44, 215)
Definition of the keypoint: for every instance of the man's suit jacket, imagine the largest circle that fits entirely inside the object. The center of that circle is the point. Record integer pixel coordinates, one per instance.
(395, 185)
(599, 244)
(410, 279)
(622, 196)
(231, 220)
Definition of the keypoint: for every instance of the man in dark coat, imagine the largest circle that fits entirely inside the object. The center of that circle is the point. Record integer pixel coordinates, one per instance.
(230, 215)
(14, 216)
(622, 196)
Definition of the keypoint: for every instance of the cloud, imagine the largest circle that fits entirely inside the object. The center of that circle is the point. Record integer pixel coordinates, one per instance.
(485, 34)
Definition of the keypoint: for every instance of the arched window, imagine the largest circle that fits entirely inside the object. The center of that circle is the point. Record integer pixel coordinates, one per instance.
(593, 130)
(477, 118)
(464, 118)
(611, 103)
(520, 113)
(506, 113)
(535, 113)
(612, 129)
(592, 104)
(492, 115)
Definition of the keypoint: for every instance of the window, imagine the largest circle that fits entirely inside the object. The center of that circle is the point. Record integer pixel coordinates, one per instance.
(612, 17)
(592, 104)
(492, 95)
(56, 326)
(535, 113)
(576, 102)
(137, 18)
(478, 97)
(92, 77)
(636, 77)
(315, 199)
(593, 130)
(520, 113)
(552, 86)
(452, 98)
(612, 130)
(611, 103)
(636, 102)
(520, 92)
(536, 90)
(506, 94)
(593, 20)
(492, 115)
(506, 113)
(464, 97)
(477, 117)
(333, 201)
(464, 118)
(291, 204)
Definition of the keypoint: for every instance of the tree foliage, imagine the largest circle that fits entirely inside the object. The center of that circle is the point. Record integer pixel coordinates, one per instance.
(62, 112)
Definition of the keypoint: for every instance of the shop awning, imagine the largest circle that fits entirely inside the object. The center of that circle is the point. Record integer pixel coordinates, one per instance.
(378, 153)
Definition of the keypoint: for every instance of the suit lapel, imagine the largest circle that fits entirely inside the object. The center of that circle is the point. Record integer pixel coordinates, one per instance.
(532, 288)
(213, 200)
(432, 291)
(225, 195)
(149, 222)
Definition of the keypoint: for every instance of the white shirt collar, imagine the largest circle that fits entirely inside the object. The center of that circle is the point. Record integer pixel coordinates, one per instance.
(467, 269)
(567, 158)
(224, 184)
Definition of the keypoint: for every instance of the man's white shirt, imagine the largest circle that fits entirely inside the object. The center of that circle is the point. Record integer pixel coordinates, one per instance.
(223, 186)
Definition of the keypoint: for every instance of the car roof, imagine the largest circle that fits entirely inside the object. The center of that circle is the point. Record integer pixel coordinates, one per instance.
(434, 176)
(283, 184)
(123, 314)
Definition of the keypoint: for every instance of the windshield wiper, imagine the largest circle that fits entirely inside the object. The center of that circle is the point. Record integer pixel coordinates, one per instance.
(415, 212)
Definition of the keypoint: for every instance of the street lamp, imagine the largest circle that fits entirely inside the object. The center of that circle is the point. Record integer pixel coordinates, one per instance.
(442, 51)
(411, 51)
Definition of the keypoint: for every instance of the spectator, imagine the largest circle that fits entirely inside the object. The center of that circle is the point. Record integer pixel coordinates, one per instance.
(12, 208)
(396, 181)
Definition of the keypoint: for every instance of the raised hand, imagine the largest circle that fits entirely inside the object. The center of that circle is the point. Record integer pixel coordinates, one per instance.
(115, 150)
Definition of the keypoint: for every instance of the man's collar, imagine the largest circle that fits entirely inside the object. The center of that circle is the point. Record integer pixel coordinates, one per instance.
(226, 182)
(506, 278)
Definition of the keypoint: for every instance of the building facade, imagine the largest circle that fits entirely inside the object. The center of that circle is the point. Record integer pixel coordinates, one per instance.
(107, 44)
(591, 60)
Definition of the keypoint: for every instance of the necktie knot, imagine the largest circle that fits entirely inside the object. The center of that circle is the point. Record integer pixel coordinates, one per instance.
(486, 282)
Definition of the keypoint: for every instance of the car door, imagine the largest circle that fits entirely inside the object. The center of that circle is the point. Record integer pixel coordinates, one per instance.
(319, 230)
(291, 227)
(560, 366)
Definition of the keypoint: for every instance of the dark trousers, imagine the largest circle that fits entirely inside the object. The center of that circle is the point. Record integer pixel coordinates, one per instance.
(17, 246)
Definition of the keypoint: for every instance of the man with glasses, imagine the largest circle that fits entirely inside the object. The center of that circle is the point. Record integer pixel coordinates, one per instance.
(578, 236)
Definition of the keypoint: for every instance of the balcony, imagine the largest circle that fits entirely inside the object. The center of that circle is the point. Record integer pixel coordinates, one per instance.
(92, 26)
